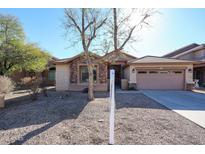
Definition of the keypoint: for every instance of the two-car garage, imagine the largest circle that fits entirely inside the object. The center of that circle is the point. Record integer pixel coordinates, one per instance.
(155, 79)
(161, 73)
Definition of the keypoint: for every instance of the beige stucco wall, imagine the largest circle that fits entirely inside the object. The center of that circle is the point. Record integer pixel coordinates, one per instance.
(198, 55)
(189, 56)
(187, 67)
(62, 77)
(195, 55)
(132, 75)
(127, 73)
(189, 74)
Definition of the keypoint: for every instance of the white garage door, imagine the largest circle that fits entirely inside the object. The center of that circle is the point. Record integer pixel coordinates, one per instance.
(168, 79)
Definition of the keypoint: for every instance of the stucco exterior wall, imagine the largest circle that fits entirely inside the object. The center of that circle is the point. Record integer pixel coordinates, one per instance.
(195, 55)
(62, 77)
(132, 74)
(127, 73)
(189, 56)
(189, 74)
(199, 55)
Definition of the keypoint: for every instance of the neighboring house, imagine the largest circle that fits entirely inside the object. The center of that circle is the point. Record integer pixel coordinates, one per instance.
(48, 74)
(193, 52)
(144, 73)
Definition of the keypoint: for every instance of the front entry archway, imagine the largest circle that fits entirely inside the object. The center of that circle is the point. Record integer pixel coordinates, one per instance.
(118, 74)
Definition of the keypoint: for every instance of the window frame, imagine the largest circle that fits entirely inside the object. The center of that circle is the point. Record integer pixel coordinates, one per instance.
(177, 72)
(80, 74)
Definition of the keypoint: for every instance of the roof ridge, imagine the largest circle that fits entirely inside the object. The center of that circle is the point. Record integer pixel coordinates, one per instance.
(168, 58)
(182, 49)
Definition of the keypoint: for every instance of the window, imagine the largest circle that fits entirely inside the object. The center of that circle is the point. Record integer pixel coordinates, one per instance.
(142, 72)
(84, 74)
(51, 75)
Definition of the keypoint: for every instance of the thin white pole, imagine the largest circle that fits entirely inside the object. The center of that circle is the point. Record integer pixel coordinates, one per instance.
(112, 106)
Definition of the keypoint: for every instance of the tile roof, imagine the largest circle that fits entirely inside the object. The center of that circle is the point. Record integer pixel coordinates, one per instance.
(67, 60)
(154, 59)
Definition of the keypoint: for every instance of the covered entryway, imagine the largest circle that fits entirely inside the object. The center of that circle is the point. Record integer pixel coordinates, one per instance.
(199, 73)
(118, 74)
(155, 79)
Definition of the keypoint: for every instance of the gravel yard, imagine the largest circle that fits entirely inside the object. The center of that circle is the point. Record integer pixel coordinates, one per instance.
(71, 119)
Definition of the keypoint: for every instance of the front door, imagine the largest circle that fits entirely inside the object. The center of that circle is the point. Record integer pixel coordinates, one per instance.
(199, 75)
(118, 72)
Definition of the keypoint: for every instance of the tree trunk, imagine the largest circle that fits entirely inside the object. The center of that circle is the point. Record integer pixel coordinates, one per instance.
(90, 78)
(115, 28)
(90, 83)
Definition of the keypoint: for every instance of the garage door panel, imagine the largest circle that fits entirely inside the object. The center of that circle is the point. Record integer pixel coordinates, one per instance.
(163, 80)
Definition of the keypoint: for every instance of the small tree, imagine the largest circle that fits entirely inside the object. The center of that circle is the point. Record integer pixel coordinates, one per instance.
(35, 87)
(11, 37)
(10, 29)
(15, 54)
(33, 84)
(85, 25)
(35, 59)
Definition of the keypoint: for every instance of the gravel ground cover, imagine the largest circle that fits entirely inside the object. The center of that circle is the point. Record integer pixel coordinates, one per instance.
(69, 118)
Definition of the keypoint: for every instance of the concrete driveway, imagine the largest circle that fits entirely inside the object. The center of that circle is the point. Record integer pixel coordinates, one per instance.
(188, 104)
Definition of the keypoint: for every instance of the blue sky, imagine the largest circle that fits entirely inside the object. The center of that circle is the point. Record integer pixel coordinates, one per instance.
(171, 30)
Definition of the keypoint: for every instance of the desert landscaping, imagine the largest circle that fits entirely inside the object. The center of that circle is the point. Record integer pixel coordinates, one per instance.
(68, 118)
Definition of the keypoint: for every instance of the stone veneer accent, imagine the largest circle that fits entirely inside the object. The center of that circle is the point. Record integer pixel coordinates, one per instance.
(101, 69)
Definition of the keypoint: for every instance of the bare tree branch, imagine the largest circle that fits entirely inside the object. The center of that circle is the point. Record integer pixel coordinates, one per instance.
(127, 39)
(95, 31)
(88, 25)
(73, 20)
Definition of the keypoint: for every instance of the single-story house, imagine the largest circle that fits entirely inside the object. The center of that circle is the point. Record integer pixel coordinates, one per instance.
(148, 72)
(194, 52)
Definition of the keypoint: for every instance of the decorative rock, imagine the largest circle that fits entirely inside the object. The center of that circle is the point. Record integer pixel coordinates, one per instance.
(100, 120)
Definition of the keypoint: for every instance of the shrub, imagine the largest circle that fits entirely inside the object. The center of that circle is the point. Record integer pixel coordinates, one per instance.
(6, 85)
(43, 86)
(25, 81)
(34, 86)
